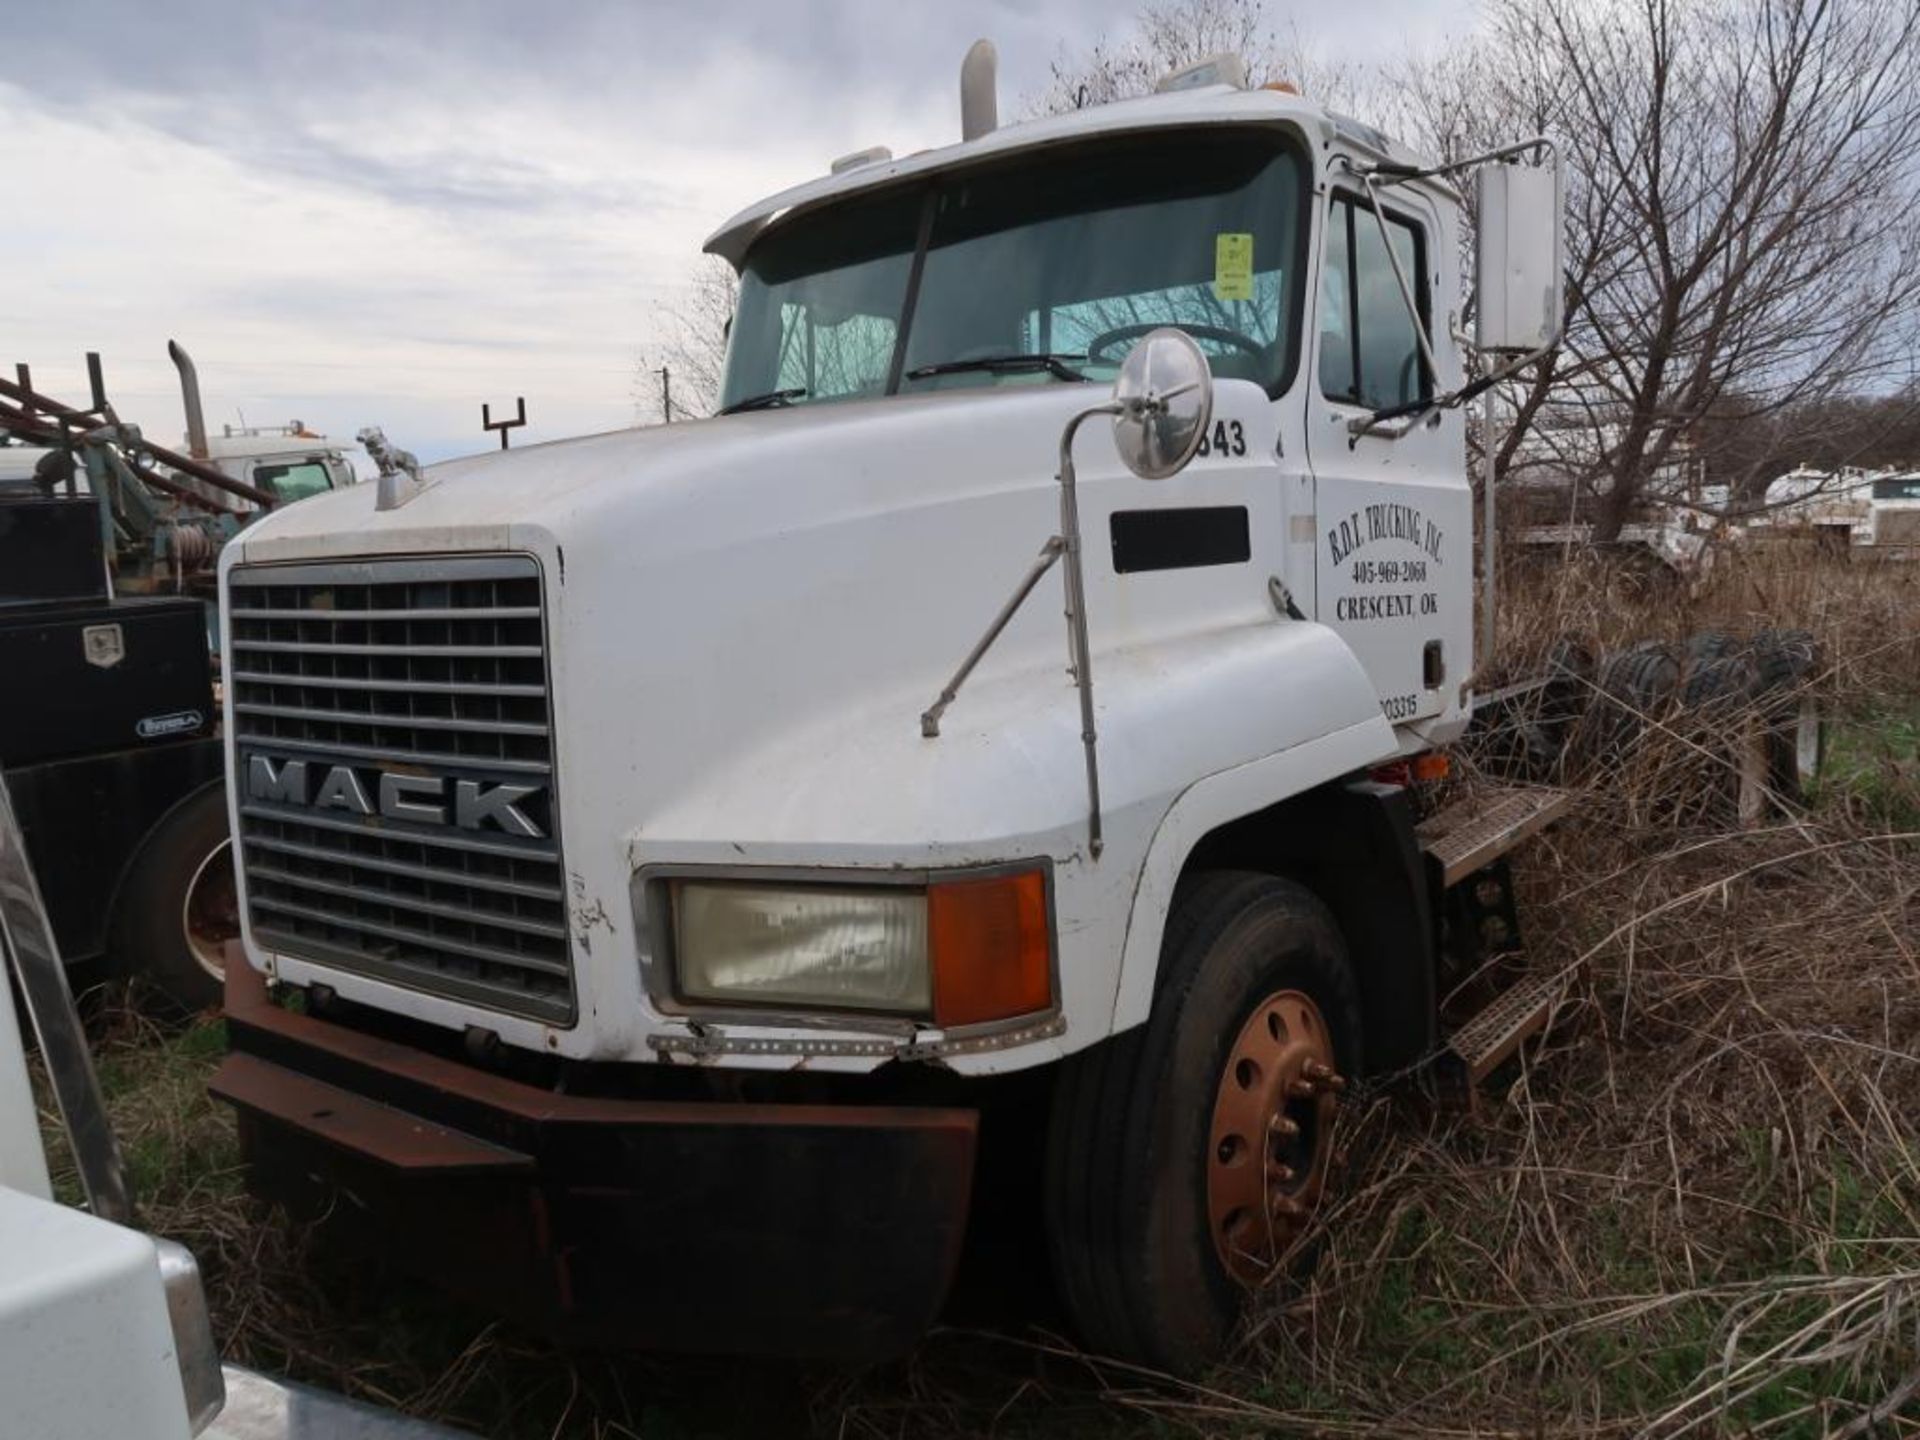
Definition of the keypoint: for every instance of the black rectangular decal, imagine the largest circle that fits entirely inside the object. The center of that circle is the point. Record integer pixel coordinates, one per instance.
(1180, 539)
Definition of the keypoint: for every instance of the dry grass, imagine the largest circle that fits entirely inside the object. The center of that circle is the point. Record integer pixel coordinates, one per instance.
(1695, 1210)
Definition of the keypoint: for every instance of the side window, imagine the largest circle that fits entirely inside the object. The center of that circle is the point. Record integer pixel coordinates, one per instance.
(1369, 351)
(1338, 379)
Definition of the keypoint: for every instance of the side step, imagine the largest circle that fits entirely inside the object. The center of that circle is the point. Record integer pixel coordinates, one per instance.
(1472, 833)
(1507, 1022)
(1461, 841)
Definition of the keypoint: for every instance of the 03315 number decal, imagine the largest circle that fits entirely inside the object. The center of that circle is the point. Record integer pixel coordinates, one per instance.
(1227, 439)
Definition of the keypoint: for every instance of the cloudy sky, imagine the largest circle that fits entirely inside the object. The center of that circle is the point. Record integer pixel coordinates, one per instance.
(390, 212)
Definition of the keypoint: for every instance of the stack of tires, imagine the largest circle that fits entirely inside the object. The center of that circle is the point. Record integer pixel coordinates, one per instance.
(1747, 705)
(1530, 736)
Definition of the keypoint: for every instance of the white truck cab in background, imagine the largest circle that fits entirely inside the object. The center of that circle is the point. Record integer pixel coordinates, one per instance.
(603, 801)
(288, 461)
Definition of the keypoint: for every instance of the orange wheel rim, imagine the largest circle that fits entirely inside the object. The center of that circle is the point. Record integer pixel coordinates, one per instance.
(1267, 1147)
(210, 914)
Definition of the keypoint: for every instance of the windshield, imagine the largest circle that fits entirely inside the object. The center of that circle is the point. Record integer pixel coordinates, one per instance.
(294, 481)
(1074, 254)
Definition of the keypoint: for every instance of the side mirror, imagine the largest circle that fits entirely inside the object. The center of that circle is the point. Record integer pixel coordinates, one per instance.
(1164, 403)
(1519, 304)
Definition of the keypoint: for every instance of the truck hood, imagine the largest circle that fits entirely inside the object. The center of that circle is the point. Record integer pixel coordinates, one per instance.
(803, 464)
(729, 589)
(726, 586)
(746, 618)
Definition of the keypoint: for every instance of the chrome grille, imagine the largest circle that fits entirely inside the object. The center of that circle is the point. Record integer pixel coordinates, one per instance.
(394, 747)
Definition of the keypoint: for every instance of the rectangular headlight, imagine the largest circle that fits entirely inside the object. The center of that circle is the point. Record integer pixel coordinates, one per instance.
(833, 947)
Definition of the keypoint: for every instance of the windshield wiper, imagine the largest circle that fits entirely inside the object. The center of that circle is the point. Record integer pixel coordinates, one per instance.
(1054, 365)
(771, 400)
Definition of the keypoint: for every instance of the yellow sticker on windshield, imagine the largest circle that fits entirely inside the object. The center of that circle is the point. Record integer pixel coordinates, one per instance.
(1233, 266)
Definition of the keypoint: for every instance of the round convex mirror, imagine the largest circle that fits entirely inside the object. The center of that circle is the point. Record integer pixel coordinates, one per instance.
(1165, 394)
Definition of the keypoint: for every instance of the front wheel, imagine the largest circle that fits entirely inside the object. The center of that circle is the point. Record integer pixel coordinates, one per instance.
(1187, 1158)
(178, 907)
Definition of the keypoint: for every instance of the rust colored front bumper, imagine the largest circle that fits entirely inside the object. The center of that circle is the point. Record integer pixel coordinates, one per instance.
(814, 1230)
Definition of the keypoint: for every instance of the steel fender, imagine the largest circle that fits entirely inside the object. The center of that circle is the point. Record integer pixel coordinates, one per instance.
(1261, 711)
(1205, 806)
(1008, 766)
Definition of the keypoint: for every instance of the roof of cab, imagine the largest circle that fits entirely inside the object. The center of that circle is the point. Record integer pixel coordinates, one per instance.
(1209, 105)
(260, 447)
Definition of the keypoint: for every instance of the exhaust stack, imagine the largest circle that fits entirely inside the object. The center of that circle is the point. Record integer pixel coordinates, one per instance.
(190, 401)
(979, 102)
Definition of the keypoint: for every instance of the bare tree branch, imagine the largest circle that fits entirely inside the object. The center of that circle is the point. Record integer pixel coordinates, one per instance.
(692, 348)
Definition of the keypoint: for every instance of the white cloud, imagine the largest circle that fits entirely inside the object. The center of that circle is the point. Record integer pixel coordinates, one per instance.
(406, 210)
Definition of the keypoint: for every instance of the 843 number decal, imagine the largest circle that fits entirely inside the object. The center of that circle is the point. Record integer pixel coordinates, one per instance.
(1227, 439)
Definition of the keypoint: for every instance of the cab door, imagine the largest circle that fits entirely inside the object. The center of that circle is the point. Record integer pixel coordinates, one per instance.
(1393, 513)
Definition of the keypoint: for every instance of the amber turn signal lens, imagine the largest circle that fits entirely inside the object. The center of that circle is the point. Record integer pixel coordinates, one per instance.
(1430, 767)
(992, 956)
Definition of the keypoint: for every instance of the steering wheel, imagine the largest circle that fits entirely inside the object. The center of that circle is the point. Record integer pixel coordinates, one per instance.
(1097, 346)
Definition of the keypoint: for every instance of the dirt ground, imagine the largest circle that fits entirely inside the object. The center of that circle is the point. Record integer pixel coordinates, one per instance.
(1694, 1210)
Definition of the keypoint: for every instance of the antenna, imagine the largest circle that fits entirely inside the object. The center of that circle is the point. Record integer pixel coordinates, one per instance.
(487, 422)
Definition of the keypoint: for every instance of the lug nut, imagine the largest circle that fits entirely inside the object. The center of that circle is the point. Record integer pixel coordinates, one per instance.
(1282, 1126)
(1324, 1074)
(1282, 1174)
(1285, 1207)
(1302, 1089)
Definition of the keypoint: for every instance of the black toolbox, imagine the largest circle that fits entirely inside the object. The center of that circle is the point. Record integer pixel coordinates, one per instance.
(83, 676)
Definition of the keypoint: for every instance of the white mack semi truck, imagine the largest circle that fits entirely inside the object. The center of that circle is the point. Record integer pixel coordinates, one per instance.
(676, 864)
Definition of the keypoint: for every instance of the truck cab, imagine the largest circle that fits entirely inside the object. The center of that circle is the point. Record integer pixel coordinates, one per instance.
(1209, 213)
(289, 462)
(610, 763)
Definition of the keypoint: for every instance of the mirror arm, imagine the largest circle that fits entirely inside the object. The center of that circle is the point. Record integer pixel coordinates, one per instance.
(1414, 412)
(1065, 544)
(1396, 174)
(1400, 279)
(1391, 173)
(1077, 641)
(930, 718)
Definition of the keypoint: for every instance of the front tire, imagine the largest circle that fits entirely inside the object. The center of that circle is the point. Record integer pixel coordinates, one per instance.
(177, 906)
(1186, 1158)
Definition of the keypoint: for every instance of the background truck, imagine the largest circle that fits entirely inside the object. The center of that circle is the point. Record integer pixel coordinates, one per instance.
(107, 553)
(650, 932)
(1871, 513)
